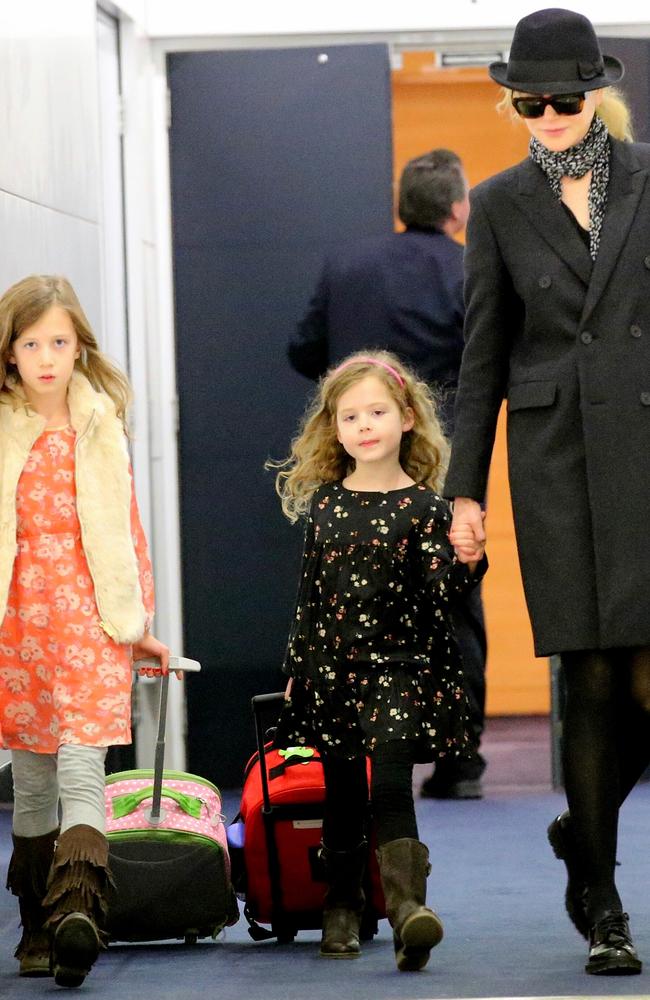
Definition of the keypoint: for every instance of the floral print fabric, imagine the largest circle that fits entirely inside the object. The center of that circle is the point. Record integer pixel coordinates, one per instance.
(62, 678)
(370, 650)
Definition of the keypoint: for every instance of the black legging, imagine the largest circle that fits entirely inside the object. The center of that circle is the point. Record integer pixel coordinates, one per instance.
(391, 796)
(606, 748)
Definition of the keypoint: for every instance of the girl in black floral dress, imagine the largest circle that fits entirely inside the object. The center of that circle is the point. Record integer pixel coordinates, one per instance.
(373, 666)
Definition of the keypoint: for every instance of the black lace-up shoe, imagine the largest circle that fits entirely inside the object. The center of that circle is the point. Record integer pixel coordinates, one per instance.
(611, 951)
(560, 837)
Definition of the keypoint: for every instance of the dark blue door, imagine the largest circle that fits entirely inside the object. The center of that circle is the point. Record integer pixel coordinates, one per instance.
(275, 156)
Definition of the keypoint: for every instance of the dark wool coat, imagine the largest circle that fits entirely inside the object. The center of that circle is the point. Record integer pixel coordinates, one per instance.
(568, 345)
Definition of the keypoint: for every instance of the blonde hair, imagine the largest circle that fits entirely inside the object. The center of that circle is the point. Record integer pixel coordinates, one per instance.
(25, 302)
(615, 112)
(317, 456)
(613, 109)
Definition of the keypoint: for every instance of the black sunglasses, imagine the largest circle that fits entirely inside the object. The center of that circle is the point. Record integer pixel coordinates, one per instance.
(562, 104)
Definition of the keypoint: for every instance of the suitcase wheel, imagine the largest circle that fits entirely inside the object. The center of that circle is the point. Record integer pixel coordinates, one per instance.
(191, 937)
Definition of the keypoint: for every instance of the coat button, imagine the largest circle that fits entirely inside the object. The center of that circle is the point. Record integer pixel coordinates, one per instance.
(646, 261)
(635, 330)
(586, 337)
(545, 281)
(645, 398)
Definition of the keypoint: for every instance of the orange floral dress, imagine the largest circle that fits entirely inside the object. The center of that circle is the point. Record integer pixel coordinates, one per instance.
(62, 678)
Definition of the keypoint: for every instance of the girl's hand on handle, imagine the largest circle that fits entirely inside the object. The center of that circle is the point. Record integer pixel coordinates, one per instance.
(287, 690)
(147, 647)
(467, 533)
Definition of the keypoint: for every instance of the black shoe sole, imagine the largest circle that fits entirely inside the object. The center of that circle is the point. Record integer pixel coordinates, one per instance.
(74, 950)
(573, 897)
(466, 788)
(619, 963)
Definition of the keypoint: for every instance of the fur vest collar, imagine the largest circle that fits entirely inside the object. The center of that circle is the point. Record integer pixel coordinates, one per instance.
(103, 484)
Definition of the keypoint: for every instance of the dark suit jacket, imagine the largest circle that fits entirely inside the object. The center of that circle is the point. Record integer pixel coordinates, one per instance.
(401, 292)
(568, 345)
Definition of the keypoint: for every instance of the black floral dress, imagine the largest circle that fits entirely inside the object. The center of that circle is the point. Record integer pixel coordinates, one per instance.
(371, 651)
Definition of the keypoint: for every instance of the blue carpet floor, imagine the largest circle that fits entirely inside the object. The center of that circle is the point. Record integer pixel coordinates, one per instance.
(495, 884)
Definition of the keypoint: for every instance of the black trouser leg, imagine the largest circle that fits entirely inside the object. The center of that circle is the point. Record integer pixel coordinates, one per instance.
(634, 728)
(346, 797)
(469, 627)
(391, 792)
(591, 768)
(346, 802)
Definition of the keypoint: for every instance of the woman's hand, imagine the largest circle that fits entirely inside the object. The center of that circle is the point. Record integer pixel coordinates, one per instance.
(148, 647)
(287, 690)
(467, 533)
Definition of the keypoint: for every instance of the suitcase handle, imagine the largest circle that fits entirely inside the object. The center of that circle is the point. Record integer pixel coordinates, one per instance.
(259, 703)
(155, 815)
(124, 805)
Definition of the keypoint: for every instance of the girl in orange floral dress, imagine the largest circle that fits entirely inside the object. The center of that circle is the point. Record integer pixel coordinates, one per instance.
(76, 604)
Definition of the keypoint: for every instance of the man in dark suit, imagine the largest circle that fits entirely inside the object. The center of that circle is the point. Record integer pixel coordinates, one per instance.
(403, 292)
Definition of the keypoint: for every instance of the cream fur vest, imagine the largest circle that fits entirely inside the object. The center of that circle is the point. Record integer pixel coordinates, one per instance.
(103, 485)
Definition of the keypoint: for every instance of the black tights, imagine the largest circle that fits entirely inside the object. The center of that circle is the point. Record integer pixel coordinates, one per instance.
(606, 748)
(391, 796)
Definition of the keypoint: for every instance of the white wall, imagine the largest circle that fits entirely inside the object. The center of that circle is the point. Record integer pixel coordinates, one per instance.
(49, 180)
(152, 357)
(171, 18)
(49, 162)
(53, 189)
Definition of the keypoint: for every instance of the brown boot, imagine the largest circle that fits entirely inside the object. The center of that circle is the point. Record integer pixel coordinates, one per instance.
(344, 902)
(27, 878)
(76, 899)
(404, 866)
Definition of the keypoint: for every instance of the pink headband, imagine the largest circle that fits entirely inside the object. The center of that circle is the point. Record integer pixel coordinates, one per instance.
(371, 361)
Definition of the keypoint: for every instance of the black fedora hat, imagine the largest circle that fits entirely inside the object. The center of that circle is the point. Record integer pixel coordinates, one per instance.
(555, 51)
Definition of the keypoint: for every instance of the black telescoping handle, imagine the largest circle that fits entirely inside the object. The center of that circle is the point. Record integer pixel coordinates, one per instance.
(260, 702)
(159, 762)
(176, 663)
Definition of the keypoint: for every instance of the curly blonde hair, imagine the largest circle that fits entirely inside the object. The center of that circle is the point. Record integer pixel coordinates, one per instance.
(317, 456)
(25, 302)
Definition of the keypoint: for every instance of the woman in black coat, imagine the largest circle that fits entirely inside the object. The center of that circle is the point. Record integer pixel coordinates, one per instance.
(558, 322)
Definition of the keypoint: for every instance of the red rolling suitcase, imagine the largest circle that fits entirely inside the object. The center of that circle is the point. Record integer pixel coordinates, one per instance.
(281, 818)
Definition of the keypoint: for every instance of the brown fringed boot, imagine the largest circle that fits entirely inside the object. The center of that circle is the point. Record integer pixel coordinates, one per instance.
(344, 902)
(29, 868)
(404, 866)
(77, 905)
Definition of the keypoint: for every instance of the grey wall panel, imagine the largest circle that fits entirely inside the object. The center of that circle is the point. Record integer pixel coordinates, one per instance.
(48, 105)
(36, 239)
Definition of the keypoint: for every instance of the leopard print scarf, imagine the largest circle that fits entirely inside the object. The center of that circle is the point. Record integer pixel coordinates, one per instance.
(591, 153)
